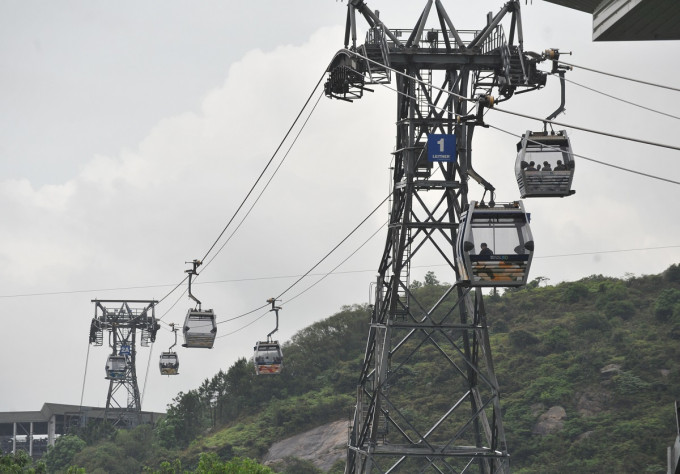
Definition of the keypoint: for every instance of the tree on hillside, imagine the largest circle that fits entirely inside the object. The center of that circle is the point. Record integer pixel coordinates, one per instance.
(61, 455)
(94, 431)
(209, 463)
(431, 279)
(667, 304)
(186, 418)
(555, 342)
(672, 273)
(293, 465)
(21, 462)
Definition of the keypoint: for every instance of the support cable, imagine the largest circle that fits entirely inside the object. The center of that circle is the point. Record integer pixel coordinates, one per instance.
(172, 291)
(398, 92)
(306, 274)
(540, 119)
(323, 277)
(336, 267)
(245, 326)
(87, 360)
(169, 325)
(290, 129)
(173, 305)
(244, 314)
(622, 100)
(334, 248)
(597, 161)
(621, 77)
(146, 376)
(69, 292)
(577, 254)
(238, 280)
(589, 130)
(575, 154)
(267, 184)
(666, 247)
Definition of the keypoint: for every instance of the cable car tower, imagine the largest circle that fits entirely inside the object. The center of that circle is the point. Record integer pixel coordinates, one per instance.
(440, 76)
(122, 319)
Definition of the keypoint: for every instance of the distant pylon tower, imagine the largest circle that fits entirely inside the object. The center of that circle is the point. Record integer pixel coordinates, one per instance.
(121, 319)
(411, 416)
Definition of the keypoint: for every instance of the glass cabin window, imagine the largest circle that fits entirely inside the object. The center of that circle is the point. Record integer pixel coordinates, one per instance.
(503, 235)
(200, 324)
(168, 359)
(547, 152)
(544, 153)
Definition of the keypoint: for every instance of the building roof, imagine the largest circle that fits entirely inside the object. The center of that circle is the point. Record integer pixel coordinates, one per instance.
(49, 409)
(630, 20)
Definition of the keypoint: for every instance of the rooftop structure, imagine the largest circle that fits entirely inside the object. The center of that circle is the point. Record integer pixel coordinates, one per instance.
(630, 20)
(34, 431)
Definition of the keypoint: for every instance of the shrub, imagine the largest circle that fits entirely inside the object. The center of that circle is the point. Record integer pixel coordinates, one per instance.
(521, 338)
(575, 292)
(672, 273)
(618, 308)
(591, 321)
(557, 339)
(61, 455)
(499, 327)
(293, 465)
(628, 383)
(666, 304)
(550, 390)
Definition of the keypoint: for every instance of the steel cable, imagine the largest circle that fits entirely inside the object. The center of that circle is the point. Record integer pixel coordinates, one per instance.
(620, 77)
(543, 120)
(622, 100)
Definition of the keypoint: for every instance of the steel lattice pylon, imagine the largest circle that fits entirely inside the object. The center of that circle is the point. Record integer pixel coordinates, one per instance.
(123, 402)
(458, 427)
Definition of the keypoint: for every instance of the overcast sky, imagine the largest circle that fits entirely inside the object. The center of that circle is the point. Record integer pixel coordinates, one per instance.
(131, 131)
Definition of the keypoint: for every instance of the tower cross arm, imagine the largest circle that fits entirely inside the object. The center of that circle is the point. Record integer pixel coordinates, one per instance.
(372, 18)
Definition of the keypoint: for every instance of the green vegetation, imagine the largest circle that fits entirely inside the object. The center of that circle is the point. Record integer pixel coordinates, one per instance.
(20, 462)
(61, 455)
(603, 349)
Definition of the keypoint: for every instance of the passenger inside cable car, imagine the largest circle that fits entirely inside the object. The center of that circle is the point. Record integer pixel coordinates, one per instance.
(116, 367)
(169, 363)
(544, 165)
(199, 329)
(494, 245)
(268, 358)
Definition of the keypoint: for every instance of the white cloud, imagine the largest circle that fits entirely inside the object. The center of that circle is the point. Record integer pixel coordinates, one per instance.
(134, 216)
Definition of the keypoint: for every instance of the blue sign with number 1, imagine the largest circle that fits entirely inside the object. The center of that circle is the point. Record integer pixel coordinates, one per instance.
(441, 147)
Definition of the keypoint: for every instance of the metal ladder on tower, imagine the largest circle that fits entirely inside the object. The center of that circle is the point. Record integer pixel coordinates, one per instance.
(423, 90)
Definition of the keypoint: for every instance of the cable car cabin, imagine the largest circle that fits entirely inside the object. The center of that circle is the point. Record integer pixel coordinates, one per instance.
(199, 329)
(544, 165)
(268, 358)
(169, 363)
(494, 245)
(116, 367)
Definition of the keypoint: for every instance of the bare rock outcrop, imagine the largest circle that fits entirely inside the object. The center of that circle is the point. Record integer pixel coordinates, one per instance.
(323, 446)
(592, 401)
(610, 370)
(551, 421)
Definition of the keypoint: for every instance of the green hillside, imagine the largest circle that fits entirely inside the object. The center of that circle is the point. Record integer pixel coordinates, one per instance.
(588, 375)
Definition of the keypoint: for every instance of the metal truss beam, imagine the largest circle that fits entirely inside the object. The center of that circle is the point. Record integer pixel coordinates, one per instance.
(122, 319)
(435, 356)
